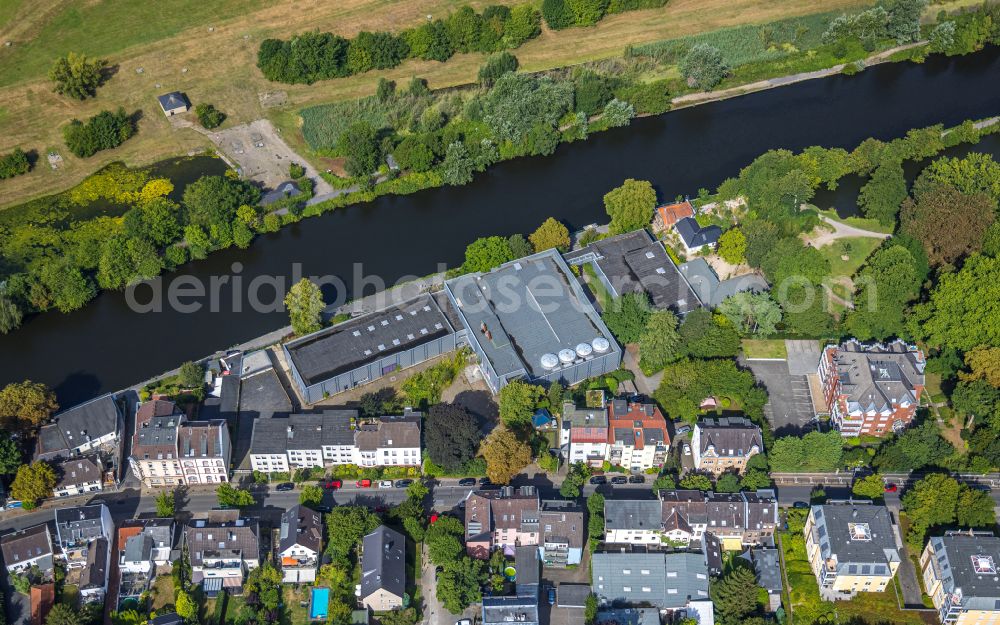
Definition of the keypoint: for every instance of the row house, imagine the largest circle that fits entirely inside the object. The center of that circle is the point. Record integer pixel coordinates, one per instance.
(169, 450)
(686, 516)
(144, 545)
(637, 435)
(960, 574)
(79, 476)
(872, 389)
(300, 544)
(584, 434)
(84, 535)
(27, 548)
(222, 548)
(92, 427)
(725, 444)
(509, 518)
(329, 438)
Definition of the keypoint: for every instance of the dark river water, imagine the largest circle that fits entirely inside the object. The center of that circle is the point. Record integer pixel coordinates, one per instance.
(107, 345)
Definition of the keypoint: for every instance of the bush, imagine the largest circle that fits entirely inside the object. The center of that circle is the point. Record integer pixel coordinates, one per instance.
(14, 164)
(703, 66)
(495, 67)
(651, 98)
(104, 131)
(296, 171)
(209, 116)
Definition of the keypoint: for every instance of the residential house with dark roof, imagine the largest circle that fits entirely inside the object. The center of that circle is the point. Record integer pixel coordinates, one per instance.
(666, 216)
(389, 441)
(300, 441)
(300, 544)
(153, 456)
(501, 519)
(562, 532)
(584, 434)
(93, 426)
(767, 567)
(637, 435)
(633, 521)
(505, 610)
(77, 476)
(27, 548)
(872, 389)
(383, 569)
(222, 548)
(143, 544)
(960, 574)
(695, 238)
(77, 528)
(736, 519)
(667, 581)
(635, 262)
(93, 580)
(851, 548)
(725, 444)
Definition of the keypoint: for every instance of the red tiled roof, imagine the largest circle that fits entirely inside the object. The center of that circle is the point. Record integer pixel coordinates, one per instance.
(638, 418)
(672, 213)
(43, 597)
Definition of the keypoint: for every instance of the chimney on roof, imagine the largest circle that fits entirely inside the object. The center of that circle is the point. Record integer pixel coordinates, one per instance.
(289, 430)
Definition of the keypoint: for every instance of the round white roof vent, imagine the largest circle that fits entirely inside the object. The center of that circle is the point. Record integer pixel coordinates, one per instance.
(550, 361)
(567, 355)
(584, 349)
(601, 345)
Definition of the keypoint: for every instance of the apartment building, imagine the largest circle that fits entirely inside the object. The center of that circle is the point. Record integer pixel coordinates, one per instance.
(501, 518)
(667, 581)
(168, 450)
(91, 427)
(333, 438)
(851, 548)
(562, 526)
(585, 432)
(960, 575)
(725, 444)
(637, 522)
(222, 549)
(383, 569)
(637, 435)
(872, 389)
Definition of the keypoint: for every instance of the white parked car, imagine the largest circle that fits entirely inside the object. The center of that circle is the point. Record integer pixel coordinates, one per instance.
(687, 450)
(463, 621)
(385, 484)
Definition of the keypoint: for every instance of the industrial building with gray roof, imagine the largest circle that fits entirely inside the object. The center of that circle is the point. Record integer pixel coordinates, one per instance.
(663, 580)
(365, 348)
(530, 318)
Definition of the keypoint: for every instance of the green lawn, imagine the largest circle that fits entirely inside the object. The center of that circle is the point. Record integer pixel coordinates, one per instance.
(297, 614)
(764, 348)
(856, 249)
(162, 594)
(933, 387)
(84, 26)
(7, 10)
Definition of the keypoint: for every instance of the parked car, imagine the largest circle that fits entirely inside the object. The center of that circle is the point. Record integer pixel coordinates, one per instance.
(332, 484)
(800, 505)
(891, 488)
(687, 449)
(467, 481)
(552, 595)
(682, 430)
(637, 479)
(363, 483)
(14, 503)
(385, 484)
(463, 621)
(323, 509)
(284, 486)
(598, 479)
(403, 483)
(485, 481)
(619, 479)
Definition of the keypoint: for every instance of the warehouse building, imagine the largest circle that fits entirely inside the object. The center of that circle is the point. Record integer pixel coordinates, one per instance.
(530, 318)
(366, 348)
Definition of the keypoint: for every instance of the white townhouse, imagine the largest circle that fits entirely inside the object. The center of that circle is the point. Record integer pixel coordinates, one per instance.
(389, 441)
(27, 548)
(636, 522)
(78, 476)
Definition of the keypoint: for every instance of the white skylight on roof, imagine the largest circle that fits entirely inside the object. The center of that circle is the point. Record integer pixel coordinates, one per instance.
(413, 313)
(395, 341)
(371, 328)
(356, 333)
(859, 531)
(983, 565)
(661, 270)
(438, 326)
(385, 322)
(649, 255)
(409, 336)
(427, 308)
(381, 347)
(399, 317)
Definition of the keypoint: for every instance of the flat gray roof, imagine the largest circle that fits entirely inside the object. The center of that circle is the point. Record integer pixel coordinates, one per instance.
(530, 307)
(349, 345)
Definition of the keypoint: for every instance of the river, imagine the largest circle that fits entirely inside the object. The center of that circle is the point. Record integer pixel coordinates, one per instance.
(106, 346)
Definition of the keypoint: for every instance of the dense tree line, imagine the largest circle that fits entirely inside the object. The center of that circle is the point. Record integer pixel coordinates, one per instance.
(561, 14)
(103, 131)
(309, 57)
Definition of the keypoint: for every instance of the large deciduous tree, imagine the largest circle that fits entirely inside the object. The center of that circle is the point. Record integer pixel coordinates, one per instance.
(232, 497)
(551, 234)
(949, 223)
(26, 404)
(733, 246)
(517, 402)
(703, 66)
(659, 343)
(77, 76)
(214, 200)
(883, 194)
(961, 311)
(735, 595)
(33, 482)
(630, 206)
(627, 317)
(486, 253)
(816, 451)
(752, 313)
(886, 285)
(506, 454)
(305, 305)
(452, 436)
(346, 526)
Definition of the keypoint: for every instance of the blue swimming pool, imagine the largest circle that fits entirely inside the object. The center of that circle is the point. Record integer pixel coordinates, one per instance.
(318, 604)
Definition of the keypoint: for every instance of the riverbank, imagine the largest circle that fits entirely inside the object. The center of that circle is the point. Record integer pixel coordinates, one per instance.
(414, 234)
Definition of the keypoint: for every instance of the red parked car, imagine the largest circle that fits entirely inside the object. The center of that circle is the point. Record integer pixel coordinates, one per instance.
(332, 484)
(363, 483)
(891, 488)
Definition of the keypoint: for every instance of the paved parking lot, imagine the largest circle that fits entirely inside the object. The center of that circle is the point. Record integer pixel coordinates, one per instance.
(790, 405)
